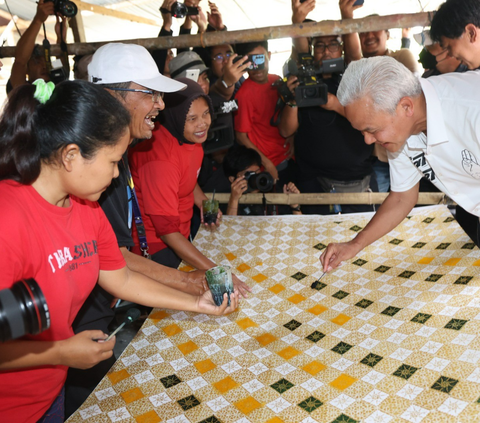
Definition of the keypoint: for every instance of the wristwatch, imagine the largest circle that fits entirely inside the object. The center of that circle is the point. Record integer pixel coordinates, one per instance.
(295, 208)
(226, 85)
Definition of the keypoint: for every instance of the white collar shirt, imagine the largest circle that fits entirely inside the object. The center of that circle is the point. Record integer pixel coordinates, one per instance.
(449, 155)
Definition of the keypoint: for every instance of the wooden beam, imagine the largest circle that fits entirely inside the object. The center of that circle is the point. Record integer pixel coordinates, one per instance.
(327, 198)
(346, 26)
(116, 13)
(76, 23)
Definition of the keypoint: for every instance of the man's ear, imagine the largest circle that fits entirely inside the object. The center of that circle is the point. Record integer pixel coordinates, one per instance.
(388, 34)
(472, 32)
(69, 156)
(406, 106)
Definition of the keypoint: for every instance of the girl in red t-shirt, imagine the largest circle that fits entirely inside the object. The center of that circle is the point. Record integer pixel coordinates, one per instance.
(57, 156)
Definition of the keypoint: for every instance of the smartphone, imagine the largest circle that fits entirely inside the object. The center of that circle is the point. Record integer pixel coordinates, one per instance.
(257, 61)
(357, 3)
(192, 74)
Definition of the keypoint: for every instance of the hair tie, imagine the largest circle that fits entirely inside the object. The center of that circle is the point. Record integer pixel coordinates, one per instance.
(43, 90)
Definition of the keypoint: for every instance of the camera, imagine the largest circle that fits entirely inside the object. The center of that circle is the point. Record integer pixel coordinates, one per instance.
(257, 61)
(220, 134)
(262, 181)
(311, 91)
(58, 73)
(23, 310)
(65, 7)
(179, 10)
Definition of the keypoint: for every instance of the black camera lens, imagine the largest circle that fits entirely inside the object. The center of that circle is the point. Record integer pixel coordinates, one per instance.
(179, 10)
(67, 8)
(262, 181)
(23, 310)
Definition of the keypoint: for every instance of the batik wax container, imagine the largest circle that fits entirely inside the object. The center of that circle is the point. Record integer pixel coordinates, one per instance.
(219, 281)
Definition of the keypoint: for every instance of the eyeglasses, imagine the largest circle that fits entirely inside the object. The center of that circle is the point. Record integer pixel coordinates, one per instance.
(156, 95)
(221, 57)
(332, 47)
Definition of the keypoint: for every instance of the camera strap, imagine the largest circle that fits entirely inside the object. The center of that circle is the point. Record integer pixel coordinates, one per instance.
(275, 120)
(137, 215)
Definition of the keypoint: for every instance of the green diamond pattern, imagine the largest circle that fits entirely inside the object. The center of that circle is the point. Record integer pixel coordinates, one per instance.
(391, 311)
(444, 384)
(419, 245)
(292, 325)
(455, 324)
(371, 360)
(310, 404)
(468, 246)
(382, 269)
(283, 385)
(356, 228)
(433, 278)
(463, 280)
(449, 219)
(211, 419)
(407, 274)
(478, 400)
(405, 371)
(364, 303)
(443, 246)
(299, 276)
(428, 220)
(396, 241)
(169, 381)
(421, 318)
(342, 347)
(343, 418)
(341, 295)
(315, 336)
(318, 285)
(359, 262)
(188, 402)
(320, 246)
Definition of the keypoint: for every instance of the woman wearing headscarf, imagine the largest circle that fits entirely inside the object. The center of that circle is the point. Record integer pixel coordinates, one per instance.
(165, 170)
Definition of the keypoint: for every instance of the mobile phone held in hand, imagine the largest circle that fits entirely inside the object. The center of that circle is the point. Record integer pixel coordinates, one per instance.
(357, 3)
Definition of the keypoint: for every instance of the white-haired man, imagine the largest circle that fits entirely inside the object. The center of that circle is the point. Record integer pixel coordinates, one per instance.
(430, 127)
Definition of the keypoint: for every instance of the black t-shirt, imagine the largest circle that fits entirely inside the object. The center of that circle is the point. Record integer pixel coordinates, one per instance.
(116, 202)
(327, 145)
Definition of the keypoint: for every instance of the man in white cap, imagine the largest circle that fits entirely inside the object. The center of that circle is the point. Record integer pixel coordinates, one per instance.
(130, 74)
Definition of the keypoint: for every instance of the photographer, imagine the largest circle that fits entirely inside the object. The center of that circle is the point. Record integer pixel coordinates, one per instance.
(330, 153)
(242, 166)
(30, 63)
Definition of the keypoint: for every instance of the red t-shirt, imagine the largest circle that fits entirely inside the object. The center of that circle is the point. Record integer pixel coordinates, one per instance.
(256, 106)
(63, 249)
(165, 174)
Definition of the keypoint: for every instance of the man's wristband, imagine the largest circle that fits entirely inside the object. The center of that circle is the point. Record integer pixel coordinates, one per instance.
(226, 85)
(295, 208)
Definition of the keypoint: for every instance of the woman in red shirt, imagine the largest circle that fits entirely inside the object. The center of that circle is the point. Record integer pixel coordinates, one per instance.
(165, 169)
(57, 156)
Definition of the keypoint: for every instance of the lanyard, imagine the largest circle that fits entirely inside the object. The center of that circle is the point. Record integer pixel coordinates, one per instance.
(137, 215)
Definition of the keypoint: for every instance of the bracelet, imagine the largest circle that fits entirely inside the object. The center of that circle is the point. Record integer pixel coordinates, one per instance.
(226, 85)
(295, 208)
(291, 105)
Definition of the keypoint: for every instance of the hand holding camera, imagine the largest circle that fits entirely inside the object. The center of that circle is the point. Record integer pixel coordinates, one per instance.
(178, 10)
(348, 6)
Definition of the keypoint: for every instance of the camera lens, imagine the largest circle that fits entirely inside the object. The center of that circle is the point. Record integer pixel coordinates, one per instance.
(262, 181)
(23, 310)
(67, 8)
(178, 10)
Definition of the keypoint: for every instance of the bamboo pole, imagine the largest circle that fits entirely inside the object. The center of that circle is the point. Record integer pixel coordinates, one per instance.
(346, 26)
(424, 198)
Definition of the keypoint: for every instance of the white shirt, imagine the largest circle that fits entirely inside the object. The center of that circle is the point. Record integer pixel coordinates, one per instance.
(450, 155)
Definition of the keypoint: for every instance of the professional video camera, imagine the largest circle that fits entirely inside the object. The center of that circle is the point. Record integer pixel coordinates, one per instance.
(311, 91)
(221, 135)
(23, 310)
(179, 10)
(64, 7)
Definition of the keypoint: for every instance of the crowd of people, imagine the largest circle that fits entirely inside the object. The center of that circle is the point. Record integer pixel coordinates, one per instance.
(119, 160)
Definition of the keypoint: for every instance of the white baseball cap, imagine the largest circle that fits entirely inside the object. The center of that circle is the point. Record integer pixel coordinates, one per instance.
(114, 63)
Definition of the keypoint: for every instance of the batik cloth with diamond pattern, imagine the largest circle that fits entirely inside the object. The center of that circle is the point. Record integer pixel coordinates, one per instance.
(392, 335)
